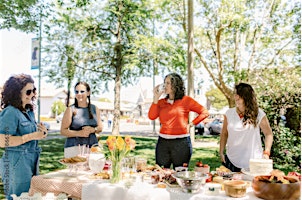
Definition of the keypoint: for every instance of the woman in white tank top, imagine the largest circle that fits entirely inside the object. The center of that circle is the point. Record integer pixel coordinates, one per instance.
(240, 135)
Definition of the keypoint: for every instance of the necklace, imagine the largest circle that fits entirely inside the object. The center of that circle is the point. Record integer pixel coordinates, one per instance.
(240, 113)
(170, 101)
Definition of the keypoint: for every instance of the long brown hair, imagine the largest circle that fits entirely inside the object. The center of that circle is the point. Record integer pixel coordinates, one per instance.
(247, 93)
(11, 93)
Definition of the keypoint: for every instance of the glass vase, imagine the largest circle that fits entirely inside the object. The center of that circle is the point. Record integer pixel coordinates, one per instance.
(116, 171)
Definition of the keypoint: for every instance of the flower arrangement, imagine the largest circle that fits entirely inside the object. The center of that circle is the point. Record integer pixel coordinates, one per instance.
(118, 148)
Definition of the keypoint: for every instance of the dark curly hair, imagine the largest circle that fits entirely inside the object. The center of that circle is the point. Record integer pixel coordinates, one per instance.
(247, 93)
(177, 86)
(11, 93)
(88, 97)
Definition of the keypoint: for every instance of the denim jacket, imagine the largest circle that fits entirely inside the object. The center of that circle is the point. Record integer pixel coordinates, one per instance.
(18, 123)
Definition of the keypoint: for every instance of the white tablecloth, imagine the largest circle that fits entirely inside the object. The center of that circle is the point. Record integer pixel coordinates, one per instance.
(138, 191)
(82, 186)
(145, 191)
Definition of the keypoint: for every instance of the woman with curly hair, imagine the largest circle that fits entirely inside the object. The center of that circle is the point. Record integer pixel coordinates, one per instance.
(19, 135)
(241, 131)
(81, 121)
(174, 144)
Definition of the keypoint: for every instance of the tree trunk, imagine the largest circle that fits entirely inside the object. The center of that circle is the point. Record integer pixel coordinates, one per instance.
(117, 90)
(191, 62)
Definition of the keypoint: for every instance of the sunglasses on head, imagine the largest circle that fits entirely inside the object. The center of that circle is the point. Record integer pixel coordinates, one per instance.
(80, 91)
(28, 92)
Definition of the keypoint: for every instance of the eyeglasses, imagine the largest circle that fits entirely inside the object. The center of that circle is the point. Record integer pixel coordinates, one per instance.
(28, 92)
(80, 92)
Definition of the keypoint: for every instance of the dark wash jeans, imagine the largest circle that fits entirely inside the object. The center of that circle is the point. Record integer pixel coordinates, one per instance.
(230, 165)
(173, 152)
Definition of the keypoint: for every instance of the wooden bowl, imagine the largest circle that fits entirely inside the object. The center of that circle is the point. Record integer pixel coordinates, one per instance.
(266, 190)
(235, 188)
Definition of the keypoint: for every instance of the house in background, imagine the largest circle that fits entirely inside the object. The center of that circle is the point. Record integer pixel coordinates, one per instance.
(47, 97)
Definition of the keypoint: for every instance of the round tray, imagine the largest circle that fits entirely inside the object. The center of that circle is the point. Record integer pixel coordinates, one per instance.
(74, 167)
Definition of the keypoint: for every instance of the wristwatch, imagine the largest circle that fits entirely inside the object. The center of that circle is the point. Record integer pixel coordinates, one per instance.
(95, 129)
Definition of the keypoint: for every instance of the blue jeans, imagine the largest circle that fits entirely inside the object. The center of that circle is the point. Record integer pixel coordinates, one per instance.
(173, 152)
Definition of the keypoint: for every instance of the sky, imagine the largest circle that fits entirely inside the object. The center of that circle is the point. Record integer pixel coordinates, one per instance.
(15, 54)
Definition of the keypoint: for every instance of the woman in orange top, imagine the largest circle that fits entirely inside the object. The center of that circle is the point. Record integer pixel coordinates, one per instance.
(174, 143)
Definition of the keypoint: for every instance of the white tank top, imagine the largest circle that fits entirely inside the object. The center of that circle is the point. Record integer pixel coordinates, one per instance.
(244, 142)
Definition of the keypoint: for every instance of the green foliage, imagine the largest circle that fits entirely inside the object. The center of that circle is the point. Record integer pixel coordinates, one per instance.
(233, 39)
(217, 99)
(58, 107)
(279, 93)
(21, 15)
(286, 151)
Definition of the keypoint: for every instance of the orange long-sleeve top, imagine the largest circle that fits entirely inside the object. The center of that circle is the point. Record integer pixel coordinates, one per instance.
(174, 117)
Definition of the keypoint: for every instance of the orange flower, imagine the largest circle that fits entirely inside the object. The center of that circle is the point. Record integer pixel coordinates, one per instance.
(127, 139)
(111, 147)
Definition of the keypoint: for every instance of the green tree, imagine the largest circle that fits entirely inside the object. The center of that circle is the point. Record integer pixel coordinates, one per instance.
(57, 108)
(233, 38)
(279, 93)
(62, 54)
(21, 15)
(216, 98)
(104, 44)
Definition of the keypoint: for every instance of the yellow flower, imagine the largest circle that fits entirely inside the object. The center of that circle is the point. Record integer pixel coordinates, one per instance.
(119, 147)
(120, 143)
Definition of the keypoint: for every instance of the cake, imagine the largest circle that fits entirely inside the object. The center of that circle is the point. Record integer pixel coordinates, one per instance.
(261, 166)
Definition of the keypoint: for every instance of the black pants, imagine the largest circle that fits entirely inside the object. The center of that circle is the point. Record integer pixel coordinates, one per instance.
(173, 152)
(230, 165)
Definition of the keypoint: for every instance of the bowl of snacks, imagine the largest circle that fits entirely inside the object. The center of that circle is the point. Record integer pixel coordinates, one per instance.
(235, 188)
(190, 181)
(277, 186)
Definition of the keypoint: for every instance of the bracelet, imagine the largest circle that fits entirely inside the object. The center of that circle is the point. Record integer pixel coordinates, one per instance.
(267, 153)
(95, 129)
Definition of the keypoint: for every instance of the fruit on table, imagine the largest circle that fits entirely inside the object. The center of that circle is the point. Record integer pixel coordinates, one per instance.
(199, 164)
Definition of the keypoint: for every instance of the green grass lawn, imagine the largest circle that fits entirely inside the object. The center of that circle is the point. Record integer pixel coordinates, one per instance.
(52, 152)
